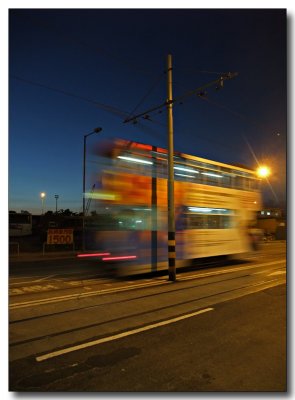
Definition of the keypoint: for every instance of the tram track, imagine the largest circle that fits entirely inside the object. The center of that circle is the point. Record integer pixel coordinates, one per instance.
(64, 277)
(71, 317)
(131, 299)
(127, 287)
(119, 301)
(268, 283)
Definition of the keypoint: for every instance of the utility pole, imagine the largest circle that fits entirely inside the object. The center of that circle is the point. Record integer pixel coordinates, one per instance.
(171, 211)
(218, 83)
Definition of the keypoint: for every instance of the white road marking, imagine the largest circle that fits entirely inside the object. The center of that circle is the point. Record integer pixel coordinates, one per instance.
(46, 277)
(277, 273)
(120, 335)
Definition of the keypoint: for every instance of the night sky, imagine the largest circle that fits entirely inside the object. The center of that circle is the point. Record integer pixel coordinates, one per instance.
(71, 70)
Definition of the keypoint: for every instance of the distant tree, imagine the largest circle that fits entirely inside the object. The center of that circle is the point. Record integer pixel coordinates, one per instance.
(49, 213)
(66, 213)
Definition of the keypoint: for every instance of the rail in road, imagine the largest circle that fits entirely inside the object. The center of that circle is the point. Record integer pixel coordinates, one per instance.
(82, 288)
(65, 281)
(54, 326)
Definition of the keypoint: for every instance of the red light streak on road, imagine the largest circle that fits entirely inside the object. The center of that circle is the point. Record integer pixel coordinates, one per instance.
(93, 255)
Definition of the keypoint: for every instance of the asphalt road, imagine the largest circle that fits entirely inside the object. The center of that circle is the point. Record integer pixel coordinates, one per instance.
(217, 329)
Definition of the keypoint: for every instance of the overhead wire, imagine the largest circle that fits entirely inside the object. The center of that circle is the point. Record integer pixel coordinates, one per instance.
(155, 83)
(81, 43)
(235, 113)
(194, 70)
(111, 109)
(244, 137)
(105, 107)
(218, 81)
(204, 138)
(152, 120)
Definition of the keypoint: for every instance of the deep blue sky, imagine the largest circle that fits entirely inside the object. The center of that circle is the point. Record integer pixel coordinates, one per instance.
(117, 58)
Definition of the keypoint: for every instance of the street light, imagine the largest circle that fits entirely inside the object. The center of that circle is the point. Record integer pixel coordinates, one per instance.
(56, 198)
(263, 172)
(42, 195)
(95, 130)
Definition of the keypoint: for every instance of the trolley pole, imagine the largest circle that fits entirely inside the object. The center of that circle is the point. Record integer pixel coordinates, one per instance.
(171, 212)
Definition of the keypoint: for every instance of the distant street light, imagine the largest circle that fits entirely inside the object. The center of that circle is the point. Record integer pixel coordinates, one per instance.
(42, 195)
(263, 172)
(95, 130)
(56, 198)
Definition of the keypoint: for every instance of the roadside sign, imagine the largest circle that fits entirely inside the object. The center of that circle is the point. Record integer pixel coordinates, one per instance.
(60, 236)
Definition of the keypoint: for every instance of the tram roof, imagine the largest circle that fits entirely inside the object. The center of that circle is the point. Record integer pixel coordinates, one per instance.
(123, 144)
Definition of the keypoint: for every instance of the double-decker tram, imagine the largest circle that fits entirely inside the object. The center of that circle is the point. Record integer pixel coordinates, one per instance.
(215, 208)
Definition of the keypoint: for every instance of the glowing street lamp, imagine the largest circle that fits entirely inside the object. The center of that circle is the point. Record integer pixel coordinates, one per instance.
(263, 172)
(42, 195)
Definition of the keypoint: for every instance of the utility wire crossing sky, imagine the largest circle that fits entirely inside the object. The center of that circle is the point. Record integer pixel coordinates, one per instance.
(72, 70)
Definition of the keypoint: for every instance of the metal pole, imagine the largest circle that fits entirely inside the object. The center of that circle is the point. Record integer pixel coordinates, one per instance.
(154, 214)
(96, 130)
(56, 197)
(84, 168)
(43, 195)
(171, 216)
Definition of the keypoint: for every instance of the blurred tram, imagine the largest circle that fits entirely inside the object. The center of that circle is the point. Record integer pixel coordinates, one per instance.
(215, 208)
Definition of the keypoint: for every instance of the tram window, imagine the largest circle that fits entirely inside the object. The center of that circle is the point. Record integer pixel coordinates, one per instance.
(239, 182)
(246, 184)
(213, 221)
(209, 222)
(199, 178)
(196, 221)
(221, 219)
(226, 181)
(119, 220)
(133, 220)
(208, 174)
(213, 181)
(227, 221)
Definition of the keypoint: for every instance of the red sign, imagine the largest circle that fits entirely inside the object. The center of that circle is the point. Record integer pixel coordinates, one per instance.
(60, 236)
